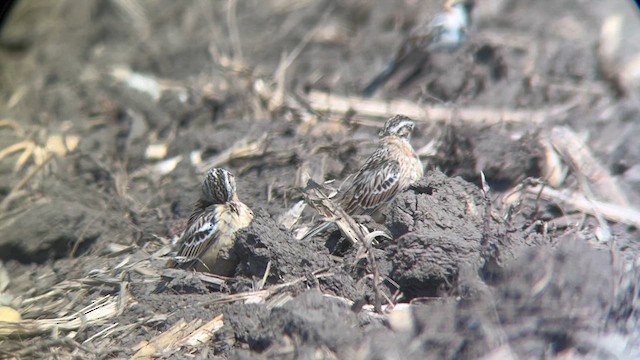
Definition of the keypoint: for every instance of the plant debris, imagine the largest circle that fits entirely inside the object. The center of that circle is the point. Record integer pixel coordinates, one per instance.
(521, 240)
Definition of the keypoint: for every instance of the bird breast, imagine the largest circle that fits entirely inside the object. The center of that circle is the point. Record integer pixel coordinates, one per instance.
(233, 216)
(411, 165)
(230, 218)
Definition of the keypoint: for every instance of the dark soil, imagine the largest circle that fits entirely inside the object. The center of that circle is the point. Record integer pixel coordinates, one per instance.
(484, 278)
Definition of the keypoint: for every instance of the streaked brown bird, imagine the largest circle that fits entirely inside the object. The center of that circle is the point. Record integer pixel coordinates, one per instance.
(445, 32)
(212, 227)
(390, 170)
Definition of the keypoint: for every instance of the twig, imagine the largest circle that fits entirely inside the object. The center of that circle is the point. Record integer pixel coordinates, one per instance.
(337, 104)
(234, 35)
(48, 344)
(604, 233)
(291, 57)
(204, 333)
(267, 271)
(97, 312)
(80, 238)
(241, 149)
(278, 97)
(137, 16)
(180, 335)
(123, 293)
(487, 215)
(490, 252)
(291, 216)
(7, 200)
(555, 172)
(326, 207)
(318, 274)
(608, 51)
(366, 241)
(104, 331)
(611, 212)
(146, 84)
(577, 154)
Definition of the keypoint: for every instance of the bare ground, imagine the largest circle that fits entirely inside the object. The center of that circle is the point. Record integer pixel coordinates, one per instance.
(508, 273)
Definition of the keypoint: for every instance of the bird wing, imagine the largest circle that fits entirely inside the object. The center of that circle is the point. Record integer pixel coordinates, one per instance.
(376, 183)
(201, 232)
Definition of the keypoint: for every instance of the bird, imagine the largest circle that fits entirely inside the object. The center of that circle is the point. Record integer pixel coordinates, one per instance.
(212, 226)
(390, 170)
(445, 32)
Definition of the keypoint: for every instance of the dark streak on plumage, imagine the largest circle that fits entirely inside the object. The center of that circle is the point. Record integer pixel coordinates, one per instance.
(216, 214)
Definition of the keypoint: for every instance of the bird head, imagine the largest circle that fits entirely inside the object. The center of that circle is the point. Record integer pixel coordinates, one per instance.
(219, 186)
(399, 125)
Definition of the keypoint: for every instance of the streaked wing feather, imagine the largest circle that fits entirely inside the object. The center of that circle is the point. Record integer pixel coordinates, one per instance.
(200, 233)
(375, 184)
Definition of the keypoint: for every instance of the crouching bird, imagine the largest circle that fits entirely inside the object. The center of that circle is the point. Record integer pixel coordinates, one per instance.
(211, 229)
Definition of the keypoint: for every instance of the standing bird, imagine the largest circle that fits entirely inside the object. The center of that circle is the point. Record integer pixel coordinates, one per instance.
(212, 227)
(390, 170)
(445, 32)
